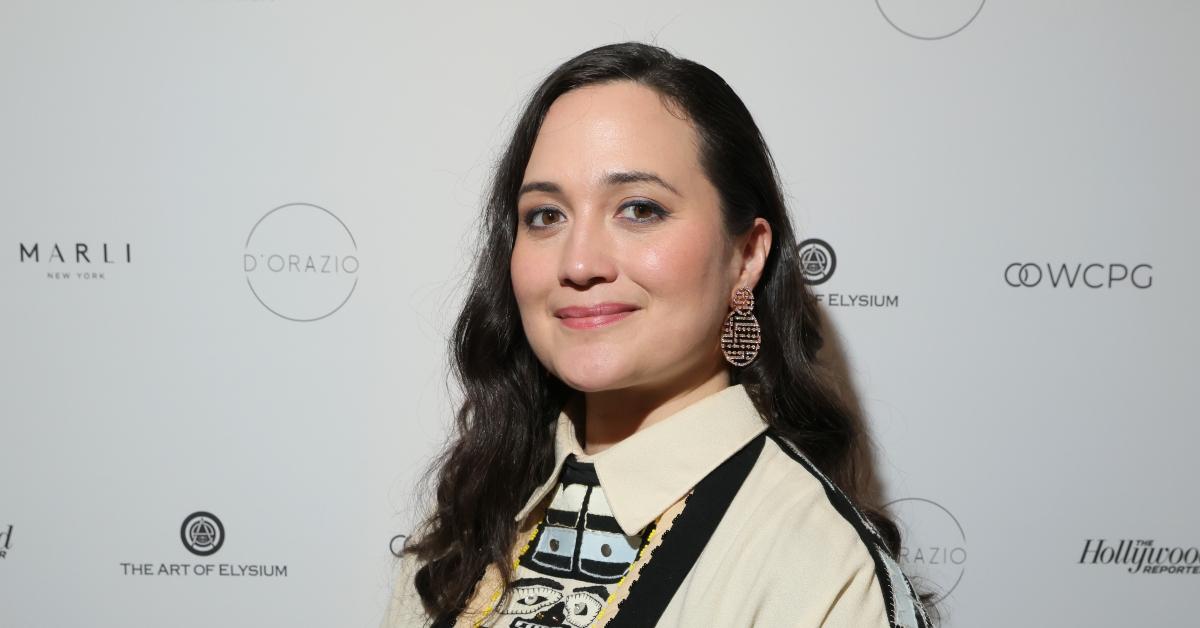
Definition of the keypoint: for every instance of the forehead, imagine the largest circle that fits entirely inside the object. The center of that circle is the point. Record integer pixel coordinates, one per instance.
(613, 126)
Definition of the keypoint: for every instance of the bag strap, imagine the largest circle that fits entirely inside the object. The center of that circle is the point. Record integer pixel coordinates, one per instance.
(682, 543)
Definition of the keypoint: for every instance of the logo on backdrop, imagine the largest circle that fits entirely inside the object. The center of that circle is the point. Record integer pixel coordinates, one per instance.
(397, 544)
(75, 261)
(203, 534)
(1141, 556)
(5, 541)
(933, 545)
(301, 262)
(818, 261)
(1096, 275)
(929, 19)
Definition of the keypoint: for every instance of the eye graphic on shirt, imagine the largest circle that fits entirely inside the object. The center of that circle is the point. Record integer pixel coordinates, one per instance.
(532, 595)
(580, 538)
(581, 607)
(555, 549)
(605, 551)
(577, 555)
(541, 603)
(606, 554)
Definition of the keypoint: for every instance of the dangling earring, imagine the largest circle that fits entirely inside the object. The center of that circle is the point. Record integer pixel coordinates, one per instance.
(740, 336)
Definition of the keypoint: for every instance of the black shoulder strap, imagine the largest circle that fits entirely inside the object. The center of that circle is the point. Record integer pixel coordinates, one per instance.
(682, 543)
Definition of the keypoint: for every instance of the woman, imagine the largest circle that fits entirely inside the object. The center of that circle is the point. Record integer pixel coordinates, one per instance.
(646, 437)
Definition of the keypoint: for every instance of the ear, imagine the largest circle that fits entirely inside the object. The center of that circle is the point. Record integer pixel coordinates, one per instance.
(750, 254)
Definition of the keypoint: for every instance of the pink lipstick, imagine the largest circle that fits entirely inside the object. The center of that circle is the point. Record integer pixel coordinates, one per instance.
(588, 317)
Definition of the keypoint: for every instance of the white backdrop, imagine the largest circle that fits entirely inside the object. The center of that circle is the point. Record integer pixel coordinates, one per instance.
(1038, 436)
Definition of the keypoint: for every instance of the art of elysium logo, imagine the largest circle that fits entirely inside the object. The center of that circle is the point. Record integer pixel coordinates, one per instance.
(933, 545)
(202, 533)
(301, 262)
(929, 19)
(817, 261)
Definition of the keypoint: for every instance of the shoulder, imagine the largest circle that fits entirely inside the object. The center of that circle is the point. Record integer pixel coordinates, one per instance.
(404, 607)
(819, 542)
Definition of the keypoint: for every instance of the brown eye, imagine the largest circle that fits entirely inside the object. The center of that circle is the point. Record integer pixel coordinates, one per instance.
(531, 219)
(645, 211)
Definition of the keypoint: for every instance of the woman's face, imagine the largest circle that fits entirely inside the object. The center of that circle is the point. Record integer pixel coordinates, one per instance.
(616, 211)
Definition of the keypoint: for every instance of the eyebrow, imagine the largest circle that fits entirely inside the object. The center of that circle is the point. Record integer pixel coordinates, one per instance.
(610, 179)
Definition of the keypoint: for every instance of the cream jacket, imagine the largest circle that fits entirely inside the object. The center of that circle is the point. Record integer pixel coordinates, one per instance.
(790, 550)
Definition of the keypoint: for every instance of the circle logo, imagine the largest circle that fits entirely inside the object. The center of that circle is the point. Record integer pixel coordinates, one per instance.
(817, 261)
(933, 545)
(397, 544)
(301, 262)
(202, 533)
(929, 19)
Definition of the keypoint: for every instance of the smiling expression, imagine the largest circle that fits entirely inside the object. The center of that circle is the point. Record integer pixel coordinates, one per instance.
(621, 266)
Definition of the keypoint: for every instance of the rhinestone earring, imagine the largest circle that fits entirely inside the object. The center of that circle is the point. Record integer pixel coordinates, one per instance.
(740, 337)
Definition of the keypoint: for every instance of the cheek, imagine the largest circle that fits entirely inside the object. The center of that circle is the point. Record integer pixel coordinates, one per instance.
(683, 269)
(534, 278)
(523, 271)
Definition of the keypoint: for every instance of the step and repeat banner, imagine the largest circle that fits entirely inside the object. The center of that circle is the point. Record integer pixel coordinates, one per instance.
(236, 236)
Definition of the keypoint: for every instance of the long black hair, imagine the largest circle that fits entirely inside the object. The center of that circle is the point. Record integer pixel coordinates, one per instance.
(503, 444)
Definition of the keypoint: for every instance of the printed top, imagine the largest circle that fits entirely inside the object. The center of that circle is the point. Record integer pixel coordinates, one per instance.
(577, 556)
(789, 547)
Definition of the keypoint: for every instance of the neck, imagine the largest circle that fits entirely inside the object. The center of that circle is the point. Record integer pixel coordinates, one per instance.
(611, 416)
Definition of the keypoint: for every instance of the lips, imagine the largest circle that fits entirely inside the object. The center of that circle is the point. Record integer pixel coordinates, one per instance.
(586, 316)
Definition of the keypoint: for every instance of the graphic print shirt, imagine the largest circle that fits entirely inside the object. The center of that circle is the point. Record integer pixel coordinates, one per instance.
(791, 550)
(574, 560)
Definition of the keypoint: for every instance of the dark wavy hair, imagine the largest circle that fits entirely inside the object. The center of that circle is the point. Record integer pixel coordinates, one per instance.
(503, 444)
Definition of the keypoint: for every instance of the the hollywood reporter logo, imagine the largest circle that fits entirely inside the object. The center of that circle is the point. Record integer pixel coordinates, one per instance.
(5, 541)
(1141, 556)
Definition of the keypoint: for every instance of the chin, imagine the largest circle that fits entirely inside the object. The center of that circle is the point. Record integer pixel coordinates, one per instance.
(589, 372)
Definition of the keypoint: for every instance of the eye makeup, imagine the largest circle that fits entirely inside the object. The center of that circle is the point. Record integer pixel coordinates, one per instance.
(659, 213)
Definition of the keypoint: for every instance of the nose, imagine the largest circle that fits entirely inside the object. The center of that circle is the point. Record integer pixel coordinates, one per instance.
(587, 256)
